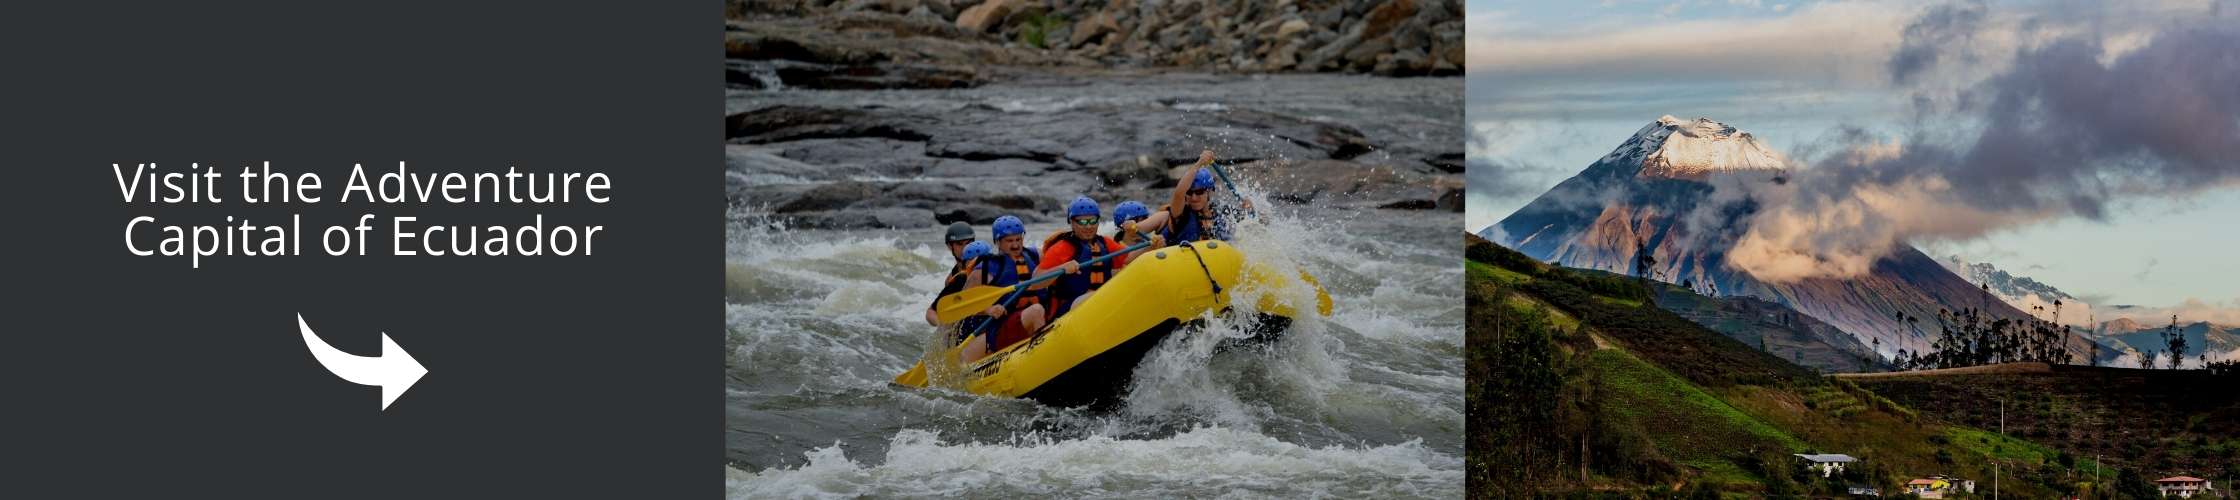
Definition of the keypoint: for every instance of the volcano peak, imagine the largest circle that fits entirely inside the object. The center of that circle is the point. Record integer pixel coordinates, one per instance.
(1693, 149)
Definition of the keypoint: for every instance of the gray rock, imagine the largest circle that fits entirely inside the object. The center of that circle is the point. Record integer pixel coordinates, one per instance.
(1290, 28)
(1346, 183)
(1138, 170)
(1364, 55)
(786, 123)
(1329, 16)
(833, 196)
(1409, 62)
(1005, 167)
(1331, 54)
(938, 192)
(1092, 29)
(994, 147)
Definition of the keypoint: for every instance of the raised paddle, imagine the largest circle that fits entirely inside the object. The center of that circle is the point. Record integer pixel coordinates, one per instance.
(956, 307)
(1322, 296)
(1224, 175)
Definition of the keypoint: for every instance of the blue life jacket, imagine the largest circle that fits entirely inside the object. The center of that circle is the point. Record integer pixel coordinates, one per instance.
(1091, 276)
(1001, 270)
(1194, 225)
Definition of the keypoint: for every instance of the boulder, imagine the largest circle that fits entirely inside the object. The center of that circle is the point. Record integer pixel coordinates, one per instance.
(1386, 17)
(833, 196)
(980, 18)
(1283, 58)
(1141, 169)
(1092, 29)
(1365, 54)
(1289, 28)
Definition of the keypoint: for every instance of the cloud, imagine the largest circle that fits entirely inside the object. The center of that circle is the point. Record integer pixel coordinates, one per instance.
(2063, 134)
(2192, 310)
(1937, 31)
(1497, 174)
(1821, 42)
(1504, 178)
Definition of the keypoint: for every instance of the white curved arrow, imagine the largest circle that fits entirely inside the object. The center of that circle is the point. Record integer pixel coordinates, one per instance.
(394, 370)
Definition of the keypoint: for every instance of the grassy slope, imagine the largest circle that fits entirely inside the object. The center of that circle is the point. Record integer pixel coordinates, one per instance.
(1690, 425)
(1728, 403)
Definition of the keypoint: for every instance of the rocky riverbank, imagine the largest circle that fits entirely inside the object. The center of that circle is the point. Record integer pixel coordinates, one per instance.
(859, 44)
(1025, 142)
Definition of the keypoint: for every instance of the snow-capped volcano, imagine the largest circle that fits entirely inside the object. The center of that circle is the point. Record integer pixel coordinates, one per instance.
(1682, 191)
(1692, 149)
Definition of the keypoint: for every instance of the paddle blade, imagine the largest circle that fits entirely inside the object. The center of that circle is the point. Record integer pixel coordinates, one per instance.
(1322, 302)
(956, 307)
(916, 377)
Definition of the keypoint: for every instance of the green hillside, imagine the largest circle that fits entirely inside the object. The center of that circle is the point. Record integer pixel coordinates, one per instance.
(1578, 386)
(2164, 422)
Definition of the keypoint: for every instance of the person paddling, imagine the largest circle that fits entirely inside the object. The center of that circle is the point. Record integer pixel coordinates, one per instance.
(972, 255)
(958, 237)
(1190, 214)
(1072, 252)
(1125, 218)
(1011, 263)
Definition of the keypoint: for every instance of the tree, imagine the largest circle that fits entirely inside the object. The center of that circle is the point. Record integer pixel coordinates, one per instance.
(2174, 340)
(1643, 262)
(2146, 359)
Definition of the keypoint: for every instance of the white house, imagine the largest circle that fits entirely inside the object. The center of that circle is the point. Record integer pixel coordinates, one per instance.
(2184, 486)
(1827, 464)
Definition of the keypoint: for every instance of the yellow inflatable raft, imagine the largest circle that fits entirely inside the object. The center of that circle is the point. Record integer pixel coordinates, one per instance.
(1088, 356)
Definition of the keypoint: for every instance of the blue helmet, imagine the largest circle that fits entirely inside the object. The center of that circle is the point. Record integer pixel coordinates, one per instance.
(1128, 211)
(977, 249)
(1008, 225)
(1082, 207)
(1204, 179)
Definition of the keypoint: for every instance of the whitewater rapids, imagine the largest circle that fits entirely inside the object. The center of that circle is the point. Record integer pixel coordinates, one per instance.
(1365, 403)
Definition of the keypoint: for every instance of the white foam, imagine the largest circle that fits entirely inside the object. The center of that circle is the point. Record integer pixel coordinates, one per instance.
(1195, 462)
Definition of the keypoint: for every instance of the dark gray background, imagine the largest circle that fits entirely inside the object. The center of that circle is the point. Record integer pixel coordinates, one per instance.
(549, 376)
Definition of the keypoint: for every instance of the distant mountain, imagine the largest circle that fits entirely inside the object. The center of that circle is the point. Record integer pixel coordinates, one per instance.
(1646, 195)
(2023, 292)
(2217, 340)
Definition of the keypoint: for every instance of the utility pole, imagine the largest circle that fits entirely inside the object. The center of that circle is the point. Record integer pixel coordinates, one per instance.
(2096, 474)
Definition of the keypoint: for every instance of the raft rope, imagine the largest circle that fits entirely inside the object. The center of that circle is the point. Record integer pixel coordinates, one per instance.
(1202, 267)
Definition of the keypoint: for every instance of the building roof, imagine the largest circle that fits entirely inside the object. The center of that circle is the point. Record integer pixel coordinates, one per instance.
(2179, 479)
(1827, 457)
(1921, 481)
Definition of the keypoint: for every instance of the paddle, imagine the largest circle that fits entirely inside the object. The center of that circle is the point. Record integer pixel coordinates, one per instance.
(956, 307)
(1224, 174)
(1322, 296)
